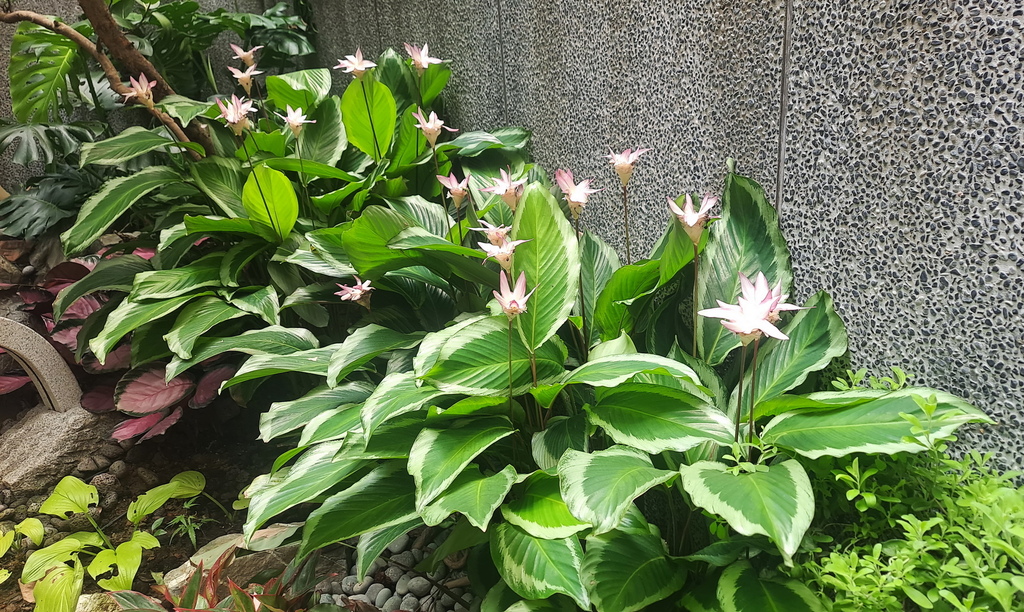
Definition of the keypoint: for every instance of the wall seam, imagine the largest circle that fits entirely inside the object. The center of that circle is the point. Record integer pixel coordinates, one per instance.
(787, 35)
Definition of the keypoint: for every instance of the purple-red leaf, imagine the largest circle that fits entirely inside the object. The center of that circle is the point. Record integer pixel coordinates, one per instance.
(68, 336)
(9, 384)
(100, 399)
(83, 307)
(118, 359)
(209, 385)
(163, 425)
(136, 427)
(143, 391)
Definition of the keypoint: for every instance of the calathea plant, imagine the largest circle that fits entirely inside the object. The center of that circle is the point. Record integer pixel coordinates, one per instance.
(534, 420)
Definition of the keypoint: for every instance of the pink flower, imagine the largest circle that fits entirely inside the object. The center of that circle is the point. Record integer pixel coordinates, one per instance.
(456, 189)
(513, 302)
(623, 163)
(294, 119)
(509, 190)
(693, 221)
(575, 195)
(431, 126)
(495, 235)
(502, 253)
(355, 64)
(236, 113)
(247, 57)
(141, 90)
(244, 78)
(421, 59)
(358, 293)
(757, 311)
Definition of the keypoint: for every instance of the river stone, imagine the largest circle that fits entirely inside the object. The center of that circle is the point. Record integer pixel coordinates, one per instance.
(348, 583)
(419, 586)
(393, 573)
(405, 560)
(393, 603)
(402, 585)
(97, 602)
(384, 595)
(411, 603)
(360, 597)
(373, 589)
(399, 544)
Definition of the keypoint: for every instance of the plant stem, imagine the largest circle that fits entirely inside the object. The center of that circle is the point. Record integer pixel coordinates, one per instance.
(444, 199)
(369, 115)
(739, 391)
(259, 187)
(227, 514)
(95, 526)
(583, 305)
(625, 218)
(302, 178)
(511, 416)
(533, 367)
(753, 401)
(696, 307)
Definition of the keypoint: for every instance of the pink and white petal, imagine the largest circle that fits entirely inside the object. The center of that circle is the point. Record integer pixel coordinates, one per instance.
(770, 330)
(209, 385)
(163, 425)
(144, 391)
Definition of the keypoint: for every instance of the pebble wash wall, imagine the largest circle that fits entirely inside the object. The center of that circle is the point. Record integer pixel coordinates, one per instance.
(900, 162)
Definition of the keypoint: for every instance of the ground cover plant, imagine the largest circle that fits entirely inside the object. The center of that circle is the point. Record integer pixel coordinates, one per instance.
(441, 341)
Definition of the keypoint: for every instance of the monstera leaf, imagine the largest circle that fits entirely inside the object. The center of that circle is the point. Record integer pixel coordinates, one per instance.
(40, 63)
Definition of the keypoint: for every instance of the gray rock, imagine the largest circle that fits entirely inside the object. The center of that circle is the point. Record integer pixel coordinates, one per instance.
(411, 603)
(440, 572)
(336, 586)
(392, 603)
(419, 586)
(78, 522)
(147, 477)
(326, 598)
(384, 595)
(111, 451)
(118, 468)
(104, 482)
(373, 589)
(394, 573)
(402, 584)
(97, 602)
(341, 600)
(348, 583)
(417, 554)
(109, 500)
(362, 587)
(404, 560)
(361, 597)
(399, 544)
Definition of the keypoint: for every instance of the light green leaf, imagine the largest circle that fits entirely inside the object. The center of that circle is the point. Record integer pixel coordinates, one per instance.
(213, 224)
(110, 202)
(475, 361)
(740, 589)
(6, 541)
(324, 141)
(561, 434)
(612, 316)
(540, 511)
(270, 202)
(654, 418)
(302, 89)
(600, 487)
(273, 340)
(623, 345)
(628, 571)
(196, 319)
(874, 426)
(536, 568)
(381, 499)
(165, 284)
(397, 394)
(71, 496)
(316, 471)
(4, 575)
(598, 262)
(309, 168)
(746, 240)
(372, 544)
(433, 80)
(439, 454)
(263, 303)
(474, 495)
(150, 501)
(190, 484)
(31, 528)
(129, 144)
(369, 112)
(129, 316)
(777, 502)
(551, 261)
(284, 417)
(127, 558)
(40, 562)
(116, 274)
(58, 591)
(363, 345)
(221, 179)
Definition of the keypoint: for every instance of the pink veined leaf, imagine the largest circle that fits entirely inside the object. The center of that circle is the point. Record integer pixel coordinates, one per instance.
(38, 301)
(9, 384)
(136, 427)
(145, 252)
(209, 385)
(99, 399)
(64, 274)
(83, 307)
(68, 336)
(118, 359)
(143, 391)
(48, 323)
(163, 425)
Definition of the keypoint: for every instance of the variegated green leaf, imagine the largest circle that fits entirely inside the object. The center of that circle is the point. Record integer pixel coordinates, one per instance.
(551, 261)
(372, 544)
(599, 487)
(775, 501)
(474, 495)
(475, 361)
(363, 345)
(397, 394)
(196, 319)
(598, 261)
(273, 340)
(284, 417)
(654, 418)
(628, 571)
(536, 568)
(313, 361)
(875, 426)
(383, 498)
(612, 370)
(540, 511)
(430, 347)
(561, 434)
(740, 589)
(439, 454)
